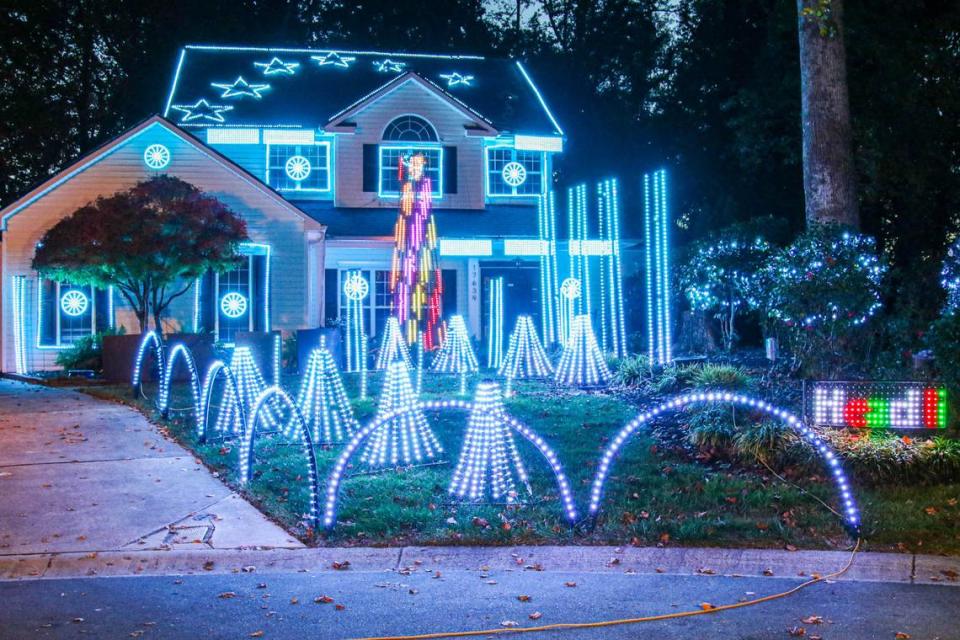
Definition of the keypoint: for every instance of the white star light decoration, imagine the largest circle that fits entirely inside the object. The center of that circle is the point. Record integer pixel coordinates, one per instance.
(233, 305)
(202, 110)
(277, 66)
(389, 66)
(454, 79)
(332, 58)
(240, 88)
(74, 303)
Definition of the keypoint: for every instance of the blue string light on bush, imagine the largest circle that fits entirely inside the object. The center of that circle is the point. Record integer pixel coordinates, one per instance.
(950, 277)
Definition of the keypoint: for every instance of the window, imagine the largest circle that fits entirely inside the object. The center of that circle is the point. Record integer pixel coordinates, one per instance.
(299, 167)
(236, 300)
(514, 173)
(376, 305)
(68, 312)
(410, 129)
(392, 155)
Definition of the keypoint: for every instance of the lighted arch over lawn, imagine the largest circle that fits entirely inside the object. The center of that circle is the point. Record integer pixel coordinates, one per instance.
(180, 351)
(333, 481)
(149, 338)
(851, 516)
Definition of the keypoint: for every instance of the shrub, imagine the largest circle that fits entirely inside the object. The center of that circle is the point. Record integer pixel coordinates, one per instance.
(721, 277)
(85, 353)
(950, 277)
(819, 292)
(716, 427)
(632, 371)
(721, 376)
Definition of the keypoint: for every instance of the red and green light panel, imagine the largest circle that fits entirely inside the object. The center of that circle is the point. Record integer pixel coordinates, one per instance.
(879, 405)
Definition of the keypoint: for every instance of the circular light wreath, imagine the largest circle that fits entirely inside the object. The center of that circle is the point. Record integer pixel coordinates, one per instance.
(156, 156)
(514, 174)
(298, 168)
(233, 304)
(74, 303)
(570, 289)
(356, 287)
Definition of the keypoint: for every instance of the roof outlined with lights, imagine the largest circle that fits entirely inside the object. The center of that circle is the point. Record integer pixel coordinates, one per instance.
(220, 86)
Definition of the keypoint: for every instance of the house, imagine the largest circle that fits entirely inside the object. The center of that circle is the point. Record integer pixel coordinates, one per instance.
(304, 144)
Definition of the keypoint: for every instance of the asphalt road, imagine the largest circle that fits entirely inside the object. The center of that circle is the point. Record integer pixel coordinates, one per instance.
(282, 605)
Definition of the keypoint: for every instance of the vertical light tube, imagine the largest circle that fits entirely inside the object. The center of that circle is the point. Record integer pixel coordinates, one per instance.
(665, 268)
(648, 261)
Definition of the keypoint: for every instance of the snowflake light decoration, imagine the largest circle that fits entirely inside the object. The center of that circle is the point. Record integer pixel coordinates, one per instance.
(355, 287)
(570, 288)
(74, 303)
(514, 174)
(156, 156)
(298, 168)
(233, 304)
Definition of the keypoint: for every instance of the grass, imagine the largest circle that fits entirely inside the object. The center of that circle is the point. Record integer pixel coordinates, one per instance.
(653, 496)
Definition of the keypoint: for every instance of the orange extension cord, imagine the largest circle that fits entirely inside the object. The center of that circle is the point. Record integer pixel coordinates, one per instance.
(622, 621)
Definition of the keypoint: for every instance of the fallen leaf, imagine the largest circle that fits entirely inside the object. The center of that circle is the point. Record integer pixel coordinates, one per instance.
(536, 615)
(523, 598)
(813, 620)
(323, 599)
(341, 566)
(902, 636)
(570, 584)
(227, 595)
(797, 632)
(706, 606)
(256, 634)
(509, 623)
(339, 607)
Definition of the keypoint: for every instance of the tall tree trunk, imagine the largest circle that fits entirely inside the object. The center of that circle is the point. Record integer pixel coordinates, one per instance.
(829, 178)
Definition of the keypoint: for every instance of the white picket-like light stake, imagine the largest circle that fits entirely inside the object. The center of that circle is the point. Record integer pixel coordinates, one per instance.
(323, 400)
(489, 458)
(582, 363)
(407, 439)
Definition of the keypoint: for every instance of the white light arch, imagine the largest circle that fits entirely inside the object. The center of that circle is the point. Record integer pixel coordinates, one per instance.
(217, 368)
(306, 442)
(150, 337)
(180, 350)
(339, 467)
(851, 516)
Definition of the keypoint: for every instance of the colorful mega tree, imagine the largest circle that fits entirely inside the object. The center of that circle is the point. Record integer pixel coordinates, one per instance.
(415, 272)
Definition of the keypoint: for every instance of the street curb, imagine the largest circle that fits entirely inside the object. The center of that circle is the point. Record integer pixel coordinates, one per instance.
(867, 567)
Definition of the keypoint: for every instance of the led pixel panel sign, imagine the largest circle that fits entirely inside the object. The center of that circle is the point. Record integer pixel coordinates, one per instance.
(878, 405)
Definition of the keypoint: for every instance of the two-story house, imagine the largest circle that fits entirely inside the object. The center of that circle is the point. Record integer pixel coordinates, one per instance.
(304, 144)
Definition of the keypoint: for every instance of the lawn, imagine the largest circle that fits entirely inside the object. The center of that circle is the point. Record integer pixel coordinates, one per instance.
(655, 495)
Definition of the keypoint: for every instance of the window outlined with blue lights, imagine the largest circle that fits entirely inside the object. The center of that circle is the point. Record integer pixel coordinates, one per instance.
(392, 154)
(511, 173)
(67, 312)
(299, 167)
(241, 296)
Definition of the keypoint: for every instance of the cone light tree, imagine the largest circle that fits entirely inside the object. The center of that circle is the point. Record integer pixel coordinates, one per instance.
(456, 354)
(392, 347)
(323, 399)
(407, 438)
(582, 363)
(250, 383)
(489, 462)
(525, 357)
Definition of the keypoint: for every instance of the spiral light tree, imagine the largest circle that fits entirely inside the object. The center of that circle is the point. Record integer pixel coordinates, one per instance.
(392, 347)
(582, 363)
(250, 383)
(323, 400)
(489, 458)
(525, 357)
(415, 280)
(456, 354)
(406, 438)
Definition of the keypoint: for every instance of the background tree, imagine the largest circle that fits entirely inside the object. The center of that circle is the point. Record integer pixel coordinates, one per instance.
(150, 243)
(829, 178)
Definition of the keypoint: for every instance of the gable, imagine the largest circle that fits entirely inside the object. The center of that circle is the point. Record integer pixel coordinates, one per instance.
(124, 161)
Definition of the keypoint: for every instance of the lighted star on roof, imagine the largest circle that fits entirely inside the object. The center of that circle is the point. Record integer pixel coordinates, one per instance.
(276, 66)
(454, 79)
(333, 58)
(202, 110)
(239, 88)
(389, 66)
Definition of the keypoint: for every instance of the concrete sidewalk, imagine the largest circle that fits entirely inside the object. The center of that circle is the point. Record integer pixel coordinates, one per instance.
(80, 475)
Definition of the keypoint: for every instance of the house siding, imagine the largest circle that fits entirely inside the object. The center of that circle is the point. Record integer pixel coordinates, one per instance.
(268, 221)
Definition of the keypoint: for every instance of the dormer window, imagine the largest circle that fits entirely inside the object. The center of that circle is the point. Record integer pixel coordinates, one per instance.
(406, 136)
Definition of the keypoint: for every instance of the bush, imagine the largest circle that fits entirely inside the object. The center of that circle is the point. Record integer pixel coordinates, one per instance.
(819, 292)
(721, 277)
(86, 353)
(716, 428)
(721, 376)
(950, 277)
(632, 371)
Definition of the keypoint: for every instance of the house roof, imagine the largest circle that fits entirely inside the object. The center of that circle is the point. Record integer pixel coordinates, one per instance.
(310, 87)
(493, 222)
(93, 157)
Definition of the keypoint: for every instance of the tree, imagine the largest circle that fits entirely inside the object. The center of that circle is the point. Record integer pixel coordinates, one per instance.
(829, 177)
(150, 243)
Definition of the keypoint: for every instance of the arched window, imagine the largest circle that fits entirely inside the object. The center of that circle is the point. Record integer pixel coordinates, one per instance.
(410, 129)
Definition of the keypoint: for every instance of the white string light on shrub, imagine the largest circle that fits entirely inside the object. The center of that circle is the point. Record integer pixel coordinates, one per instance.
(406, 440)
(525, 357)
(323, 400)
(456, 353)
(489, 458)
(851, 515)
(582, 363)
(343, 460)
(393, 346)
